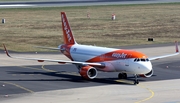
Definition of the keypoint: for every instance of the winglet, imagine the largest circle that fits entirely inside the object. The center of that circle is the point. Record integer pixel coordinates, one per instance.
(177, 48)
(6, 51)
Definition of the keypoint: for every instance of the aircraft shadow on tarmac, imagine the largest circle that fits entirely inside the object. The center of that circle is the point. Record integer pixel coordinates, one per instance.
(64, 76)
(68, 73)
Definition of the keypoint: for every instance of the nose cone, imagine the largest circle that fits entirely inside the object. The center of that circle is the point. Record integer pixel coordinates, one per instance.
(145, 67)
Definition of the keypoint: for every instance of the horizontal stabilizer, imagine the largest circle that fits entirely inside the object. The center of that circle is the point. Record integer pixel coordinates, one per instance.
(43, 47)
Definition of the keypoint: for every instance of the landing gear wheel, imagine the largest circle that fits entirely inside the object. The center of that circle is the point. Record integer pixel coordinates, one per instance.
(125, 75)
(136, 81)
(122, 76)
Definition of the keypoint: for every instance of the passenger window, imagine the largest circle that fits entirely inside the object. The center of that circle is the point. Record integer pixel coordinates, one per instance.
(135, 60)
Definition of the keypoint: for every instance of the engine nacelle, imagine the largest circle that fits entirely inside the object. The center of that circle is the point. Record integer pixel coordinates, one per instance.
(147, 75)
(88, 72)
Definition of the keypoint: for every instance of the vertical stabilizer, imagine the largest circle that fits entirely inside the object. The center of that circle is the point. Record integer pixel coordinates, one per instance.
(67, 33)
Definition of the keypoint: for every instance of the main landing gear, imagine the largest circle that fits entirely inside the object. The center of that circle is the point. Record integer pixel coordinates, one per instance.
(124, 76)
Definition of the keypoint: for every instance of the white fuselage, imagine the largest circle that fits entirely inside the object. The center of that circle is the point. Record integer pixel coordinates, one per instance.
(114, 61)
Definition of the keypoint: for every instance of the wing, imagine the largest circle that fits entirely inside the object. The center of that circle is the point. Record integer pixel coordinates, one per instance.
(169, 55)
(53, 60)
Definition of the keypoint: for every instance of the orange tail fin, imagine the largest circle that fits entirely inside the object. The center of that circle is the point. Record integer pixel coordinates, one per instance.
(67, 33)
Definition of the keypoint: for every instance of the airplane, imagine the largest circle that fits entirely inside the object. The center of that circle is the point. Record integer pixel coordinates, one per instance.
(91, 59)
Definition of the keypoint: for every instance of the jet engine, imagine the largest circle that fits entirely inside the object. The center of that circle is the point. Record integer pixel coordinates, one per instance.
(147, 74)
(88, 72)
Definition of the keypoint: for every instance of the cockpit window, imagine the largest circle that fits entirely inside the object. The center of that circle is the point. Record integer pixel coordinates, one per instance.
(147, 59)
(138, 59)
(135, 59)
(141, 59)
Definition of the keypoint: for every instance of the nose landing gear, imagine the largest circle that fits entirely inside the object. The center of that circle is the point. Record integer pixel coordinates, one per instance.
(136, 81)
(124, 76)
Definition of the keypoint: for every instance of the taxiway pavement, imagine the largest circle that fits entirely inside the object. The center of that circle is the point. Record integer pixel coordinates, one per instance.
(63, 3)
(25, 81)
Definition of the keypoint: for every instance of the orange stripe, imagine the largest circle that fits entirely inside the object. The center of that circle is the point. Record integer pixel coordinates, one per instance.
(118, 54)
